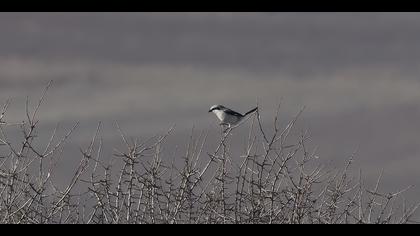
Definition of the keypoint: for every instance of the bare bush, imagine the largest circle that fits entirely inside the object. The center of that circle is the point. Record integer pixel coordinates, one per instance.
(277, 180)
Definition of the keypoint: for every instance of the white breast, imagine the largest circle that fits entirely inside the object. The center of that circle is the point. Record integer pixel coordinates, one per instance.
(228, 119)
(220, 115)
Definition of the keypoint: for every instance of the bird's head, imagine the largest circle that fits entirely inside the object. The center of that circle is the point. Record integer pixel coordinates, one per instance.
(216, 108)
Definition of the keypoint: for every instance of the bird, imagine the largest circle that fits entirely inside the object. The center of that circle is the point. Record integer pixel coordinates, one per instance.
(227, 116)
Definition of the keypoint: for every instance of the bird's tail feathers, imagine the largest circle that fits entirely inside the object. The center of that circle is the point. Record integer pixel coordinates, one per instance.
(251, 111)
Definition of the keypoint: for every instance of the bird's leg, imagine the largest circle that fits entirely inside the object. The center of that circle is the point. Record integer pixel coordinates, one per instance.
(223, 125)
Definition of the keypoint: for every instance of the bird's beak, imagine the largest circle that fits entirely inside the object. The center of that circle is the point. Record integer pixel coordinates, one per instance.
(209, 110)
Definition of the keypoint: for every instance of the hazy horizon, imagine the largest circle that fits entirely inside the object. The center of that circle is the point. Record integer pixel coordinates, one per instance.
(357, 74)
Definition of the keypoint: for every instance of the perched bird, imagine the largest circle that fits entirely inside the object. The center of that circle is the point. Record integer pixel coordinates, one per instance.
(227, 116)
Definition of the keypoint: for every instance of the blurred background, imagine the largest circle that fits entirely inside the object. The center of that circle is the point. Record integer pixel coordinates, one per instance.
(358, 74)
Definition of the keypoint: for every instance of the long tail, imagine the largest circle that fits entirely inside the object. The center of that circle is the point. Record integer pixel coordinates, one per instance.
(249, 112)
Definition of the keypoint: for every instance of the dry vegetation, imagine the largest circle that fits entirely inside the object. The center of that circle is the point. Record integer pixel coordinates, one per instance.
(277, 180)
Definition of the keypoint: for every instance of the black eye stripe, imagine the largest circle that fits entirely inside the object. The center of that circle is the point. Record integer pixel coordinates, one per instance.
(219, 108)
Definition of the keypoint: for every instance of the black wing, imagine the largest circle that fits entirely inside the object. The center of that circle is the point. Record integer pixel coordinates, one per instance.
(233, 113)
